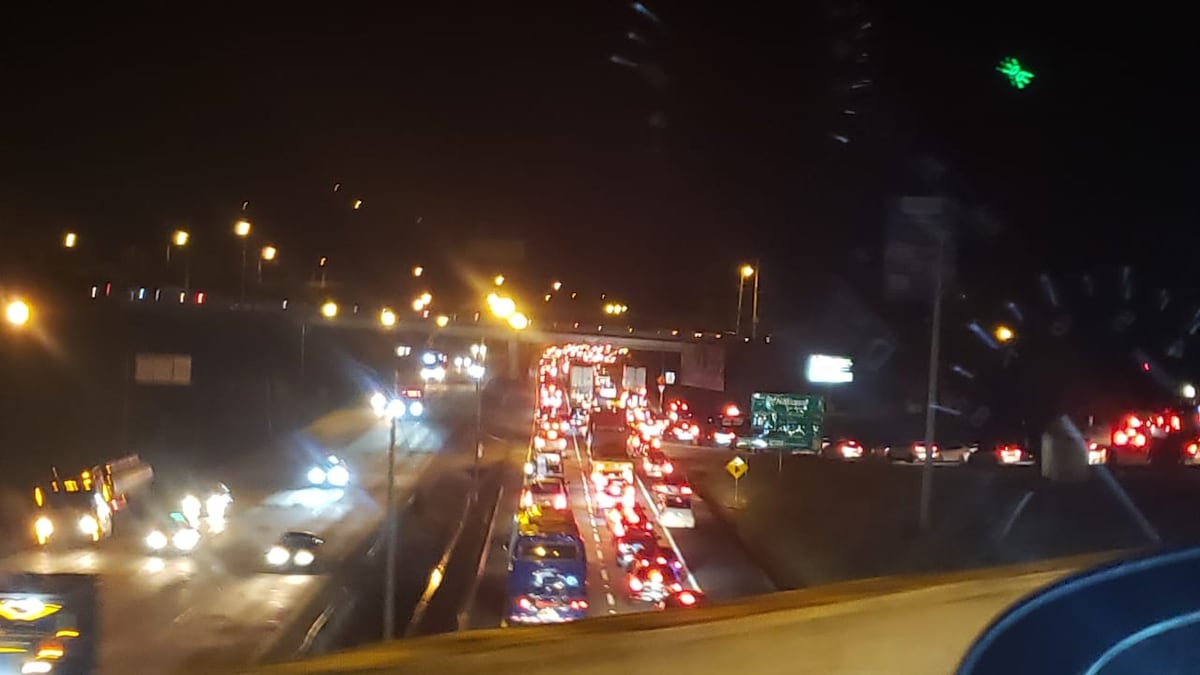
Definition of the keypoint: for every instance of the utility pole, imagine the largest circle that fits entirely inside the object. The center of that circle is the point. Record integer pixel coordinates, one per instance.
(737, 326)
(931, 404)
(754, 301)
(389, 579)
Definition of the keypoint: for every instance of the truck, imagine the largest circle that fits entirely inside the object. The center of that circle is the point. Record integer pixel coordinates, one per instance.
(784, 422)
(608, 433)
(80, 508)
(633, 379)
(48, 623)
(583, 380)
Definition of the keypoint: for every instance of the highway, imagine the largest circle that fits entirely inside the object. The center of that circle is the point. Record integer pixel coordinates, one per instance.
(219, 607)
(714, 560)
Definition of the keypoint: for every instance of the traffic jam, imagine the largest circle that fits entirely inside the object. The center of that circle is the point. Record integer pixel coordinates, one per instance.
(592, 531)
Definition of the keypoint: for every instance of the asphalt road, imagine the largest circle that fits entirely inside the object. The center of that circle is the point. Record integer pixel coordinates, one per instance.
(219, 607)
(714, 560)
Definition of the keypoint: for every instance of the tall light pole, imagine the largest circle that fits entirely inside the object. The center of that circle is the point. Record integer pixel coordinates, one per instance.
(745, 272)
(754, 302)
(242, 229)
(389, 580)
(180, 240)
(268, 254)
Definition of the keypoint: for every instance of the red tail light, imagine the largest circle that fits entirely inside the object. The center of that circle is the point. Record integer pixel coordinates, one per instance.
(579, 604)
(668, 467)
(1193, 448)
(687, 598)
(1139, 440)
(656, 443)
(560, 501)
(200, 297)
(1120, 438)
(552, 434)
(635, 584)
(685, 490)
(1176, 423)
(524, 603)
(655, 577)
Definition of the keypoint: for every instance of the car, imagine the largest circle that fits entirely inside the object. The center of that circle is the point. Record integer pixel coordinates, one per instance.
(176, 534)
(675, 509)
(206, 505)
(1002, 454)
(552, 439)
(295, 552)
(622, 519)
(546, 493)
(545, 465)
(682, 599)
(661, 555)
(843, 449)
(910, 452)
(656, 464)
(684, 431)
(615, 492)
(653, 583)
(632, 544)
(332, 472)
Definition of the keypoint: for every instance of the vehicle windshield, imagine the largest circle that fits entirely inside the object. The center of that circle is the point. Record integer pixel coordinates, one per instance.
(859, 292)
(544, 551)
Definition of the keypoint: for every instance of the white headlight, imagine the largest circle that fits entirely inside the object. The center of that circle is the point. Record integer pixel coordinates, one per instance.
(36, 667)
(378, 402)
(215, 506)
(416, 408)
(338, 476)
(44, 527)
(277, 556)
(156, 541)
(88, 524)
(303, 558)
(191, 507)
(316, 475)
(186, 539)
(395, 409)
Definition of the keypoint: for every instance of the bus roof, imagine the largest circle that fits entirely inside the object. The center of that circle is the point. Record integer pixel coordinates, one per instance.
(535, 522)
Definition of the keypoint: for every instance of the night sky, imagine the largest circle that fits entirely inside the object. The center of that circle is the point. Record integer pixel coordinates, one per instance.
(463, 119)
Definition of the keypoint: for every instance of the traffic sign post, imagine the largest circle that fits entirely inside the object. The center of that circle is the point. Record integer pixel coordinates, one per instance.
(737, 467)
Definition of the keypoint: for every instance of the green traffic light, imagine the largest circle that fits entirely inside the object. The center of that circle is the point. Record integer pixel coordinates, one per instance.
(1017, 76)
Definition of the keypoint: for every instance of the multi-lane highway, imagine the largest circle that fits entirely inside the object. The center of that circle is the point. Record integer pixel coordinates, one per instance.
(221, 607)
(715, 562)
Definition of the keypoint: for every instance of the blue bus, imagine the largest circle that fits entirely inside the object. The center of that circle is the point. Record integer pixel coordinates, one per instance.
(547, 569)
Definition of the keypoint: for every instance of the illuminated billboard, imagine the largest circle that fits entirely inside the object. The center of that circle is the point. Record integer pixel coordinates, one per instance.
(825, 369)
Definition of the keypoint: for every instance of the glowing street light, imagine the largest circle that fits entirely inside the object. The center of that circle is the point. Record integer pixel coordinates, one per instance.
(269, 252)
(499, 280)
(426, 298)
(518, 321)
(417, 305)
(180, 238)
(556, 285)
(387, 318)
(1004, 333)
(747, 271)
(442, 321)
(418, 271)
(547, 297)
(242, 228)
(70, 240)
(1188, 390)
(329, 310)
(17, 313)
(502, 307)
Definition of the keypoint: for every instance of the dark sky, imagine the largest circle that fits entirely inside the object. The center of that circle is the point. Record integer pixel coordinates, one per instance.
(459, 119)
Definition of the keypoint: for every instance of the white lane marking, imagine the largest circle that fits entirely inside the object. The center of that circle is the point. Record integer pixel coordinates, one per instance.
(604, 575)
(612, 611)
(599, 555)
(612, 602)
(667, 533)
(595, 536)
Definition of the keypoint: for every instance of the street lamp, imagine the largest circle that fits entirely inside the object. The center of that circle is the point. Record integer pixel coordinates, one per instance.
(180, 240)
(329, 310)
(418, 271)
(267, 254)
(17, 313)
(387, 318)
(518, 321)
(556, 285)
(442, 321)
(744, 273)
(1004, 333)
(70, 240)
(499, 280)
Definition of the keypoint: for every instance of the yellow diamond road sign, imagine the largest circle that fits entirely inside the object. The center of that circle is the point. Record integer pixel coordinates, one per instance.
(737, 467)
